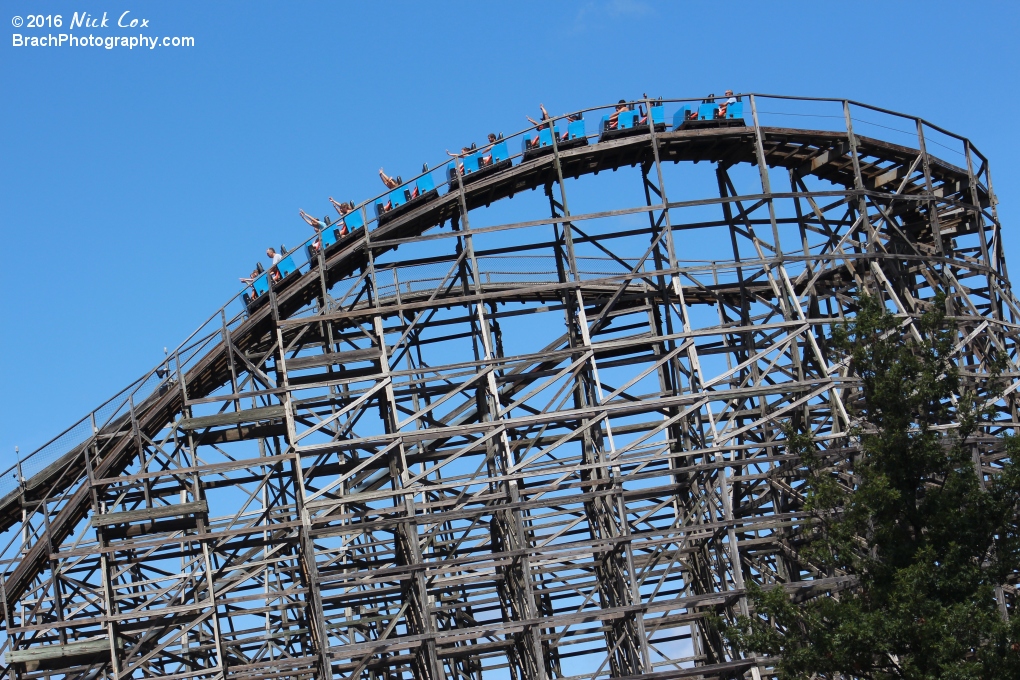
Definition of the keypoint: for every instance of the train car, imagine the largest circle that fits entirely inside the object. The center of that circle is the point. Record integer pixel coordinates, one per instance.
(255, 294)
(707, 115)
(631, 123)
(286, 267)
(406, 197)
(475, 166)
(534, 145)
(327, 237)
(576, 136)
(541, 144)
(278, 277)
(354, 220)
(334, 233)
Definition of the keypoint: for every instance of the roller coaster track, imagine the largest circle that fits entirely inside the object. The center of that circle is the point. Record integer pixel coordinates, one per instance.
(307, 364)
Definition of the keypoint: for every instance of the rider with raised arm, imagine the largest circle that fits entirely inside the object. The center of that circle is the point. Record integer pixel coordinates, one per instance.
(315, 224)
(392, 183)
(539, 125)
(342, 209)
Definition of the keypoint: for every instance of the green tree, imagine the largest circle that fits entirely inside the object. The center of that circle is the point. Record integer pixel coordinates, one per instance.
(921, 545)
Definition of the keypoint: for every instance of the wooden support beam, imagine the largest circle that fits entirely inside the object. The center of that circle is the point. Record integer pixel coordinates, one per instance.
(176, 510)
(811, 166)
(60, 656)
(334, 359)
(252, 415)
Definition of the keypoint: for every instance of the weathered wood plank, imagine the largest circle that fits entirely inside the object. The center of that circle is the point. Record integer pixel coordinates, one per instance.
(824, 158)
(176, 510)
(887, 177)
(66, 652)
(234, 418)
(354, 356)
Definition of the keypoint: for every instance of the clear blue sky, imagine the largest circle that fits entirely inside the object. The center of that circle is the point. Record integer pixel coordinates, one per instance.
(136, 186)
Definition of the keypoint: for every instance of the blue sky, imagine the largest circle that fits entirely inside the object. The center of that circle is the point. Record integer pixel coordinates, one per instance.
(137, 185)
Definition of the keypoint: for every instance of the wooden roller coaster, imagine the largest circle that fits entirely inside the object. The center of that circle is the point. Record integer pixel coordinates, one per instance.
(453, 445)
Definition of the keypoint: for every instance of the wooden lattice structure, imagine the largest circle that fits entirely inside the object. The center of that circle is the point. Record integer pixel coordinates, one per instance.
(532, 427)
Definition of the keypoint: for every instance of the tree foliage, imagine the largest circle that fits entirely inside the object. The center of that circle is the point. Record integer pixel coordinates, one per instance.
(921, 543)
